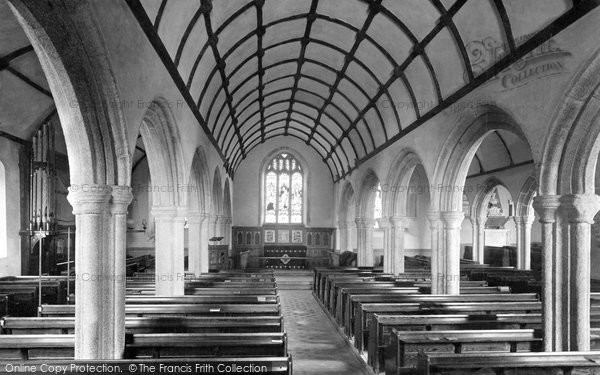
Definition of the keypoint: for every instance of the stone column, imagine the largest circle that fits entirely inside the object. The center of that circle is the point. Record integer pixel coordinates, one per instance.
(479, 240)
(95, 264)
(398, 227)
(452, 223)
(546, 207)
(384, 224)
(194, 242)
(204, 236)
(364, 241)
(212, 221)
(523, 225)
(169, 243)
(121, 198)
(579, 211)
(437, 252)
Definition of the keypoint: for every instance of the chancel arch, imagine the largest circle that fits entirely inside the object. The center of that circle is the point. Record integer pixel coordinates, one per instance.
(406, 197)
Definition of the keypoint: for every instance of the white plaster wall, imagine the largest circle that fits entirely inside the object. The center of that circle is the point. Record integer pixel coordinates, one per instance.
(9, 156)
(320, 202)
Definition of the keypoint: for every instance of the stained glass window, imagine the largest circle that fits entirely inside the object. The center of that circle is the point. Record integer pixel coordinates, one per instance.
(378, 206)
(284, 190)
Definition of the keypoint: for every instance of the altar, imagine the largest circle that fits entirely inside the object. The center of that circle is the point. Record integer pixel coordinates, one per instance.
(285, 257)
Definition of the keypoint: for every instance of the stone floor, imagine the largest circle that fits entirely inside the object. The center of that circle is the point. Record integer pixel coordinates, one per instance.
(317, 348)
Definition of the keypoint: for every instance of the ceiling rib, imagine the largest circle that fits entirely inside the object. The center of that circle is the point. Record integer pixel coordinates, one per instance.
(222, 116)
(572, 15)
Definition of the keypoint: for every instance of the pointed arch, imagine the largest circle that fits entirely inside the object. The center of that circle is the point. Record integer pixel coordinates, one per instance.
(397, 184)
(217, 194)
(200, 197)
(365, 202)
(526, 194)
(227, 199)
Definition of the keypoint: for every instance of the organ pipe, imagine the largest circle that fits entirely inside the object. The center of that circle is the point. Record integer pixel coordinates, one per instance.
(43, 176)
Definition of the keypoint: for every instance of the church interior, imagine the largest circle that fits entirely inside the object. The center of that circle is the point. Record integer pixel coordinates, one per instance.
(301, 186)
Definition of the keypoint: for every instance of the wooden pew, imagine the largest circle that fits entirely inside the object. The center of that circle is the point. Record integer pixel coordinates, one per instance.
(381, 326)
(188, 324)
(405, 345)
(150, 290)
(425, 308)
(344, 293)
(25, 347)
(193, 345)
(513, 363)
(198, 299)
(23, 300)
(177, 310)
(152, 345)
(353, 302)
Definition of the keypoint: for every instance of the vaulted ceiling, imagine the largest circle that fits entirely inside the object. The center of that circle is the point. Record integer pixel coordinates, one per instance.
(348, 77)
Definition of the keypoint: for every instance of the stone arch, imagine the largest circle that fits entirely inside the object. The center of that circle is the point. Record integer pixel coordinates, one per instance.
(69, 45)
(366, 195)
(478, 215)
(478, 208)
(526, 194)
(365, 212)
(160, 135)
(459, 149)
(395, 189)
(450, 175)
(566, 205)
(199, 203)
(346, 217)
(572, 147)
(217, 194)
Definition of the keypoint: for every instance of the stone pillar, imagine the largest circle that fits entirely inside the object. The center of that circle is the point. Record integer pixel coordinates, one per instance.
(479, 240)
(437, 252)
(204, 236)
(578, 211)
(212, 221)
(523, 225)
(452, 223)
(384, 224)
(194, 242)
(121, 198)
(364, 241)
(96, 267)
(398, 226)
(169, 243)
(546, 207)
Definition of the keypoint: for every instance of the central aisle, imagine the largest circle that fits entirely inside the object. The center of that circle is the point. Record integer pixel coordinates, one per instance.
(313, 341)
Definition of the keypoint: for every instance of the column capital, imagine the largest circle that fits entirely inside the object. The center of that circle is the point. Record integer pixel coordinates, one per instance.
(195, 218)
(164, 212)
(546, 206)
(452, 219)
(383, 222)
(90, 199)
(580, 208)
(524, 220)
(434, 217)
(121, 198)
(399, 221)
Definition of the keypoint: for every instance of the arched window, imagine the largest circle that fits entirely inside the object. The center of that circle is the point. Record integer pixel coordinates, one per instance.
(3, 213)
(378, 206)
(284, 190)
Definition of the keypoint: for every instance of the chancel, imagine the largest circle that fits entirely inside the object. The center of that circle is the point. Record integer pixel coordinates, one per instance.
(309, 186)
